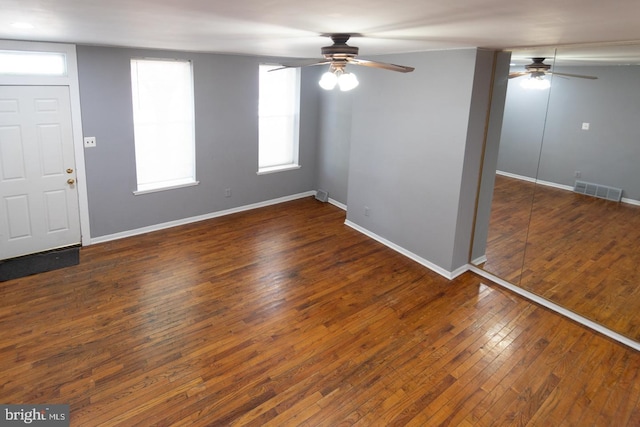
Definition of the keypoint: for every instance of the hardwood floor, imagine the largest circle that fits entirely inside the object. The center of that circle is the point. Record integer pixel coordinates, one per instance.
(285, 316)
(581, 252)
(507, 237)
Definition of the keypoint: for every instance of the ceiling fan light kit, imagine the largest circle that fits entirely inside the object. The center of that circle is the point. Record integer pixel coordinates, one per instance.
(328, 80)
(535, 83)
(333, 78)
(338, 55)
(347, 81)
(537, 71)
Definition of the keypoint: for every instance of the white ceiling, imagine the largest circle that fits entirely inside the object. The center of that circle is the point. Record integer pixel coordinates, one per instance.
(292, 28)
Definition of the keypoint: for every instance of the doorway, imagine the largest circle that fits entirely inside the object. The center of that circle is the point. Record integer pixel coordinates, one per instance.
(39, 210)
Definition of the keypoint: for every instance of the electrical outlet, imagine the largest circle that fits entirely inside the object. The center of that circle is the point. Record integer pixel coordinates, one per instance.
(366, 211)
(227, 192)
(89, 141)
(585, 126)
(577, 174)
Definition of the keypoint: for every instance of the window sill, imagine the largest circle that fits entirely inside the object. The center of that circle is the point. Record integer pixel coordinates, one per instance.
(171, 187)
(274, 169)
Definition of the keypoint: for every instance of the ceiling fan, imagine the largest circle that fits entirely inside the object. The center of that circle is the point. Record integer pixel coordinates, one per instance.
(538, 69)
(338, 55)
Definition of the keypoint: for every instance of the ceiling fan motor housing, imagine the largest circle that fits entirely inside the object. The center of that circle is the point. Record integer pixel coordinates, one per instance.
(339, 54)
(537, 66)
(339, 49)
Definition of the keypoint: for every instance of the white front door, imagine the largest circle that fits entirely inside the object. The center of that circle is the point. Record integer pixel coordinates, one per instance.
(38, 196)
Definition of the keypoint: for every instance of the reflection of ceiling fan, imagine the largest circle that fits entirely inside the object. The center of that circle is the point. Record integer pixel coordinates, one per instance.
(538, 69)
(338, 55)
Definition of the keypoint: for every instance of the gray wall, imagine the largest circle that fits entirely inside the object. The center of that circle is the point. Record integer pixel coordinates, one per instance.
(334, 136)
(416, 141)
(607, 154)
(471, 168)
(490, 158)
(226, 93)
(522, 129)
(408, 146)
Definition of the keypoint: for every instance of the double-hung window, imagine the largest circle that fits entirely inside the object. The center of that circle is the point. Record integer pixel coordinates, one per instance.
(164, 125)
(278, 111)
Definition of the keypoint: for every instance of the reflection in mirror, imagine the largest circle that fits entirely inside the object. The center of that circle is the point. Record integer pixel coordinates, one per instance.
(512, 175)
(582, 250)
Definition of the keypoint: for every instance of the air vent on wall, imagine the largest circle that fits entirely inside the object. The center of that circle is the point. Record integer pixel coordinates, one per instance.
(597, 190)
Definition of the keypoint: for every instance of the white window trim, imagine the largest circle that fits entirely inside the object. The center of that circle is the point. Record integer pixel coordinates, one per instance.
(171, 187)
(296, 147)
(275, 169)
(192, 93)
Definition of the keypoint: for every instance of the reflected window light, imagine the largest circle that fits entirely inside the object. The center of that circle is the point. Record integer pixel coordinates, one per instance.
(33, 63)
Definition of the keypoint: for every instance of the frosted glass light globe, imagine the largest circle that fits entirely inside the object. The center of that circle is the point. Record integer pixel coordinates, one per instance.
(347, 81)
(328, 81)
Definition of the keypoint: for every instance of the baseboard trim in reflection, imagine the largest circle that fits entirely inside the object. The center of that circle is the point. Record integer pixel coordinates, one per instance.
(480, 260)
(555, 185)
(558, 309)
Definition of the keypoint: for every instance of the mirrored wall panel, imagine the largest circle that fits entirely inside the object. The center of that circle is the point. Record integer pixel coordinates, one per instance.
(509, 173)
(576, 163)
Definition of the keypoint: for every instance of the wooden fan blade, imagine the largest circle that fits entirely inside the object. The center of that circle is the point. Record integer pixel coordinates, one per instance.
(305, 63)
(383, 65)
(573, 75)
(518, 74)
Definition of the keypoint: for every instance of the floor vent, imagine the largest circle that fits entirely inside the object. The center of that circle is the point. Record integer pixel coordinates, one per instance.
(597, 190)
(322, 195)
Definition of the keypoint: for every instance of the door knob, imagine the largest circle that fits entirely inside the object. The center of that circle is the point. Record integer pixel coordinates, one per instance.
(69, 170)
(71, 181)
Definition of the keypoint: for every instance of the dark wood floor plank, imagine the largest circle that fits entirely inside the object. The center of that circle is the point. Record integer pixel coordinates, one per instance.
(578, 251)
(285, 316)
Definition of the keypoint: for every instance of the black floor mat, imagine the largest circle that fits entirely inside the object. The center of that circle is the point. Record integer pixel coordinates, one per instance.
(27, 265)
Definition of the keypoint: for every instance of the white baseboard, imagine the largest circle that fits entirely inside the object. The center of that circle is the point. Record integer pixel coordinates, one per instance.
(184, 221)
(517, 290)
(535, 180)
(446, 274)
(556, 308)
(516, 176)
(338, 204)
(556, 185)
(630, 201)
(431, 266)
(480, 260)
